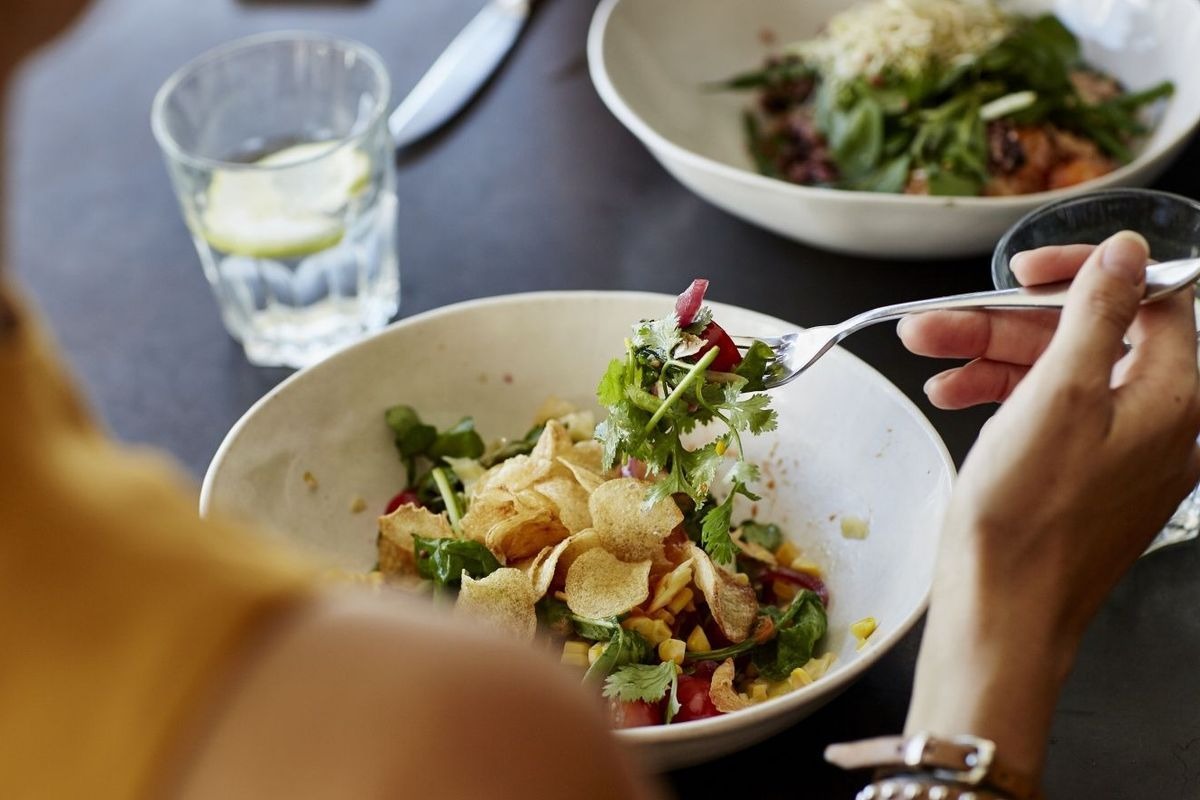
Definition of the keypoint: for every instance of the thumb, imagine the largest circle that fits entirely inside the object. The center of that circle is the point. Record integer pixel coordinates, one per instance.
(1101, 305)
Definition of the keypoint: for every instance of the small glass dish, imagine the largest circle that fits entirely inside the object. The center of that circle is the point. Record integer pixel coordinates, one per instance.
(1170, 223)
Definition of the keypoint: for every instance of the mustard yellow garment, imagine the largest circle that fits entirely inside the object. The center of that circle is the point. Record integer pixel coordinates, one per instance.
(119, 608)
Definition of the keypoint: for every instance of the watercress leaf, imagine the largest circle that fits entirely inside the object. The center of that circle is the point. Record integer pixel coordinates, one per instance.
(625, 647)
(443, 561)
(768, 536)
(597, 630)
(518, 447)
(798, 630)
(461, 441)
(554, 616)
(413, 437)
(714, 532)
(640, 682)
(946, 183)
(612, 385)
(891, 177)
(856, 138)
(758, 364)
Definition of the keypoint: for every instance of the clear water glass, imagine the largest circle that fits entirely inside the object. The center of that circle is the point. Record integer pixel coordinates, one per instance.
(1170, 223)
(278, 149)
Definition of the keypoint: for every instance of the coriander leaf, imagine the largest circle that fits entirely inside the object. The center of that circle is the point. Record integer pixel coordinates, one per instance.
(742, 472)
(701, 321)
(702, 464)
(714, 532)
(666, 487)
(659, 336)
(768, 536)
(798, 629)
(461, 441)
(625, 647)
(750, 414)
(443, 561)
(640, 682)
(612, 386)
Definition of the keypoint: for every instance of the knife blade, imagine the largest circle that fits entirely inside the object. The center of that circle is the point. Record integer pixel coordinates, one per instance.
(460, 71)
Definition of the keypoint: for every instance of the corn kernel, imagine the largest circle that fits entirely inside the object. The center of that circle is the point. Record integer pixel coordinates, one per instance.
(784, 591)
(802, 564)
(670, 585)
(574, 654)
(855, 527)
(758, 691)
(672, 650)
(742, 578)
(654, 631)
(697, 641)
(665, 616)
(721, 446)
(863, 629)
(594, 652)
(680, 600)
(817, 667)
(787, 553)
(799, 677)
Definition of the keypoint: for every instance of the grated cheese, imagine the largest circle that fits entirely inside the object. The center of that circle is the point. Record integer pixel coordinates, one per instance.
(904, 35)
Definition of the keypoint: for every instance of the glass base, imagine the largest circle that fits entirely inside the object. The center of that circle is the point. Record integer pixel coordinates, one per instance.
(1184, 526)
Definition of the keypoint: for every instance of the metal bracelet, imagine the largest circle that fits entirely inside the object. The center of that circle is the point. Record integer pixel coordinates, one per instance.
(912, 787)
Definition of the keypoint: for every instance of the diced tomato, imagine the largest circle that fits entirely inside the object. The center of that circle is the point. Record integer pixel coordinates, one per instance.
(801, 579)
(694, 702)
(635, 714)
(633, 469)
(728, 357)
(406, 497)
(689, 302)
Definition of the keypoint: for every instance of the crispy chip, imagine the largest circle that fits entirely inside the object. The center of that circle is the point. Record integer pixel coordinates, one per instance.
(554, 442)
(395, 540)
(733, 604)
(580, 543)
(513, 475)
(589, 455)
(553, 408)
(670, 585)
(721, 690)
(753, 550)
(486, 511)
(588, 480)
(543, 566)
(570, 500)
(627, 528)
(600, 585)
(503, 599)
(525, 534)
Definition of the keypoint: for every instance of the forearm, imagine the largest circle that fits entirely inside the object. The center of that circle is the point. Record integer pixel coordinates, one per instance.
(992, 664)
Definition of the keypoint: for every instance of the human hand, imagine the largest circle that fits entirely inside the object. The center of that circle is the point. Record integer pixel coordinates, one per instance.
(1066, 486)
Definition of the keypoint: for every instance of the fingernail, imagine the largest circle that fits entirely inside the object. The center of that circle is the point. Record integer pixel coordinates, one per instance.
(931, 383)
(1015, 261)
(900, 326)
(1124, 255)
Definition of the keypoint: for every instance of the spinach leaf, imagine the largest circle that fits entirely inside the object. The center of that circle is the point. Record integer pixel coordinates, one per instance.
(625, 647)
(443, 561)
(798, 629)
(768, 536)
(856, 136)
(461, 441)
(757, 367)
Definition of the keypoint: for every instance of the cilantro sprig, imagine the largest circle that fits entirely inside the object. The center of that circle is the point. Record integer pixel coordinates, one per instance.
(664, 389)
(634, 682)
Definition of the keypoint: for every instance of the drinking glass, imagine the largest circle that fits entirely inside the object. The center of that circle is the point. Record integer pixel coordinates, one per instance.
(1170, 223)
(278, 149)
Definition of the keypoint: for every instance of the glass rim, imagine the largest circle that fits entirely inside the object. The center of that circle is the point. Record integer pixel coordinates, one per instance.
(999, 269)
(176, 151)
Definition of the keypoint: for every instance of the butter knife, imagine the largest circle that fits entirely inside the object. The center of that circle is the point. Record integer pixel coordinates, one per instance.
(460, 71)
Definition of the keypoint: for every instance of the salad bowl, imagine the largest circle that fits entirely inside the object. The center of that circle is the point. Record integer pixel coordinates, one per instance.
(651, 61)
(314, 461)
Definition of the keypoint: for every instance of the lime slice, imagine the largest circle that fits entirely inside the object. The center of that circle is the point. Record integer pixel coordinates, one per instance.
(283, 213)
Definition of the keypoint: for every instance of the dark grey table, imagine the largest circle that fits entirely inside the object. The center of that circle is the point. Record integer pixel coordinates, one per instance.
(538, 187)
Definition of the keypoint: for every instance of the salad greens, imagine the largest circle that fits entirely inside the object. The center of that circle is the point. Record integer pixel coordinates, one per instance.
(647, 683)
(790, 637)
(425, 450)
(670, 382)
(444, 561)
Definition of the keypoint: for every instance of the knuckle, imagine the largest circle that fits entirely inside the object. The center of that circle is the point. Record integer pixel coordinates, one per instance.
(1110, 306)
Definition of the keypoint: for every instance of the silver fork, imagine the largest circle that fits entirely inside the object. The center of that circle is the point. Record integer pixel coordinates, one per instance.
(799, 350)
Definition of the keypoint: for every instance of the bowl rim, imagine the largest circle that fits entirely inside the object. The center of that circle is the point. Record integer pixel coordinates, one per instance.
(999, 269)
(649, 136)
(828, 687)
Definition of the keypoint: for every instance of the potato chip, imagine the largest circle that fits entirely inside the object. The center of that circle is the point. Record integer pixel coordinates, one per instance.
(580, 424)
(513, 475)
(733, 604)
(589, 455)
(588, 480)
(580, 543)
(553, 408)
(721, 691)
(504, 600)
(525, 534)
(753, 550)
(627, 528)
(396, 530)
(554, 442)
(670, 585)
(543, 566)
(601, 585)
(486, 511)
(570, 501)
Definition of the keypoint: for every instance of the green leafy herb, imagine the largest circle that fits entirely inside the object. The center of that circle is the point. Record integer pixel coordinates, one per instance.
(797, 631)
(443, 561)
(654, 398)
(518, 447)
(597, 630)
(646, 682)
(422, 445)
(554, 616)
(625, 647)
(768, 536)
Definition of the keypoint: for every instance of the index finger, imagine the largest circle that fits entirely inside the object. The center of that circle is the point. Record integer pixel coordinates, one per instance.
(1049, 264)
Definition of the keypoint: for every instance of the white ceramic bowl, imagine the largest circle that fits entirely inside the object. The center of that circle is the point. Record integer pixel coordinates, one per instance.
(849, 443)
(649, 59)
